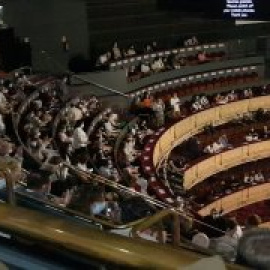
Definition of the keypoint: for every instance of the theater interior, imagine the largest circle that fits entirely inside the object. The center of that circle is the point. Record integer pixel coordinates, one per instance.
(134, 134)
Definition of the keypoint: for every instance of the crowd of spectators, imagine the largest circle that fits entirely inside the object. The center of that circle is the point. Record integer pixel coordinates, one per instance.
(144, 68)
(93, 153)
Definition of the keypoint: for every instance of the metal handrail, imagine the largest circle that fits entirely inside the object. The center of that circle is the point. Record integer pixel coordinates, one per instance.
(90, 177)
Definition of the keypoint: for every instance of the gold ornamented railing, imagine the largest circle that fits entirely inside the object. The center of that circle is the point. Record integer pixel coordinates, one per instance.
(239, 199)
(223, 161)
(195, 123)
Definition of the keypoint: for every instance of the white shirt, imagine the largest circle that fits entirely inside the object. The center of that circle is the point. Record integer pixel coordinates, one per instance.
(145, 68)
(80, 138)
(175, 103)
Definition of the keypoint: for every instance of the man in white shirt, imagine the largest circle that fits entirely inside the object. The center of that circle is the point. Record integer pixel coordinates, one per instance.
(175, 103)
(80, 138)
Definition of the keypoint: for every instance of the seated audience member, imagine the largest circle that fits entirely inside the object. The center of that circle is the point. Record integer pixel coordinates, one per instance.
(80, 138)
(107, 170)
(247, 179)
(202, 58)
(219, 99)
(217, 146)
(145, 68)
(223, 141)
(248, 93)
(266, 132)
(209, 149)
(157, 65)
(158, 107)
(116, 53)
(258, 177)
(147, 101)
(232, 96)
(175, 103)
(252, 136)
(46, 147)
(39, 187)
(204, 101)
(111, 126)
(131, 51)
(104, 59)
(196, 105)
(193, 41)
(129, 149)
(82, 162)
(252, 177)
(66, 141)
(59, 172)
(98, 204)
